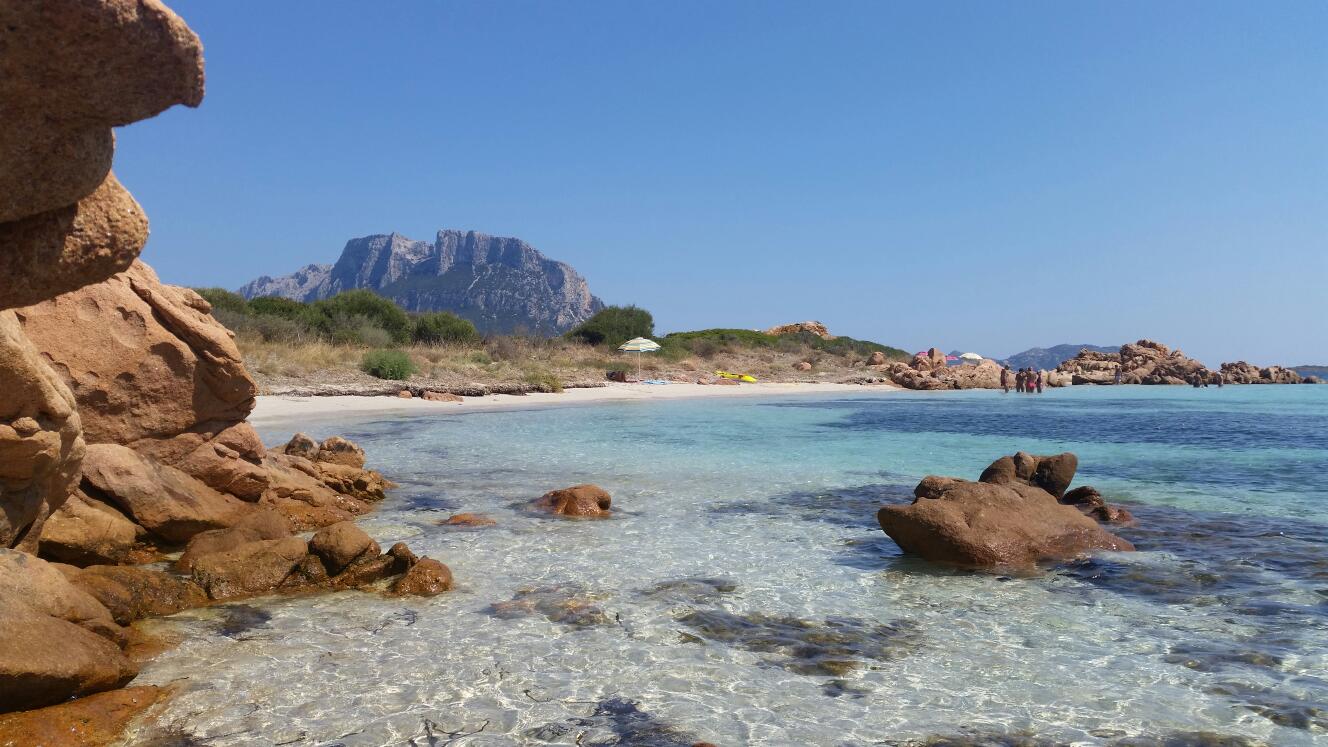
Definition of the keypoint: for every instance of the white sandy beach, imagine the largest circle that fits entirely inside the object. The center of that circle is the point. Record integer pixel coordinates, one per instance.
(283, 408)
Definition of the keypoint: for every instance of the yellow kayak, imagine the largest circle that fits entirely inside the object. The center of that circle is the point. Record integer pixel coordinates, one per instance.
(736, 377)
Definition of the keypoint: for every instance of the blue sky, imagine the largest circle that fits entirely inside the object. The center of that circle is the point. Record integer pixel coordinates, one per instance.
(973, 175)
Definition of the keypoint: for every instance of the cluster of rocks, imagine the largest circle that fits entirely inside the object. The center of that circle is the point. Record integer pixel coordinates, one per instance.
(929, 371)
(1241, 372)
(1148, 362)
(811, 327)
(1016, 515)
(123, 433)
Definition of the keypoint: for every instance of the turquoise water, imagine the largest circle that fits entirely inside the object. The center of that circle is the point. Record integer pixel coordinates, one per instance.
(744, 594)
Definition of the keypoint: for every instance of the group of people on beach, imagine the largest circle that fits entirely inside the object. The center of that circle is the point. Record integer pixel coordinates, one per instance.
(1026, 380)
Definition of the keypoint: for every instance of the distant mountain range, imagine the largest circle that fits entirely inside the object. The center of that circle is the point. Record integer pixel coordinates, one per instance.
(1320, 371)
(1048, 358)
(502, 285)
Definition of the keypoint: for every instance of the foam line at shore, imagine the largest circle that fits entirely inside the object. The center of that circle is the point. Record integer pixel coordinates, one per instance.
(278, 409)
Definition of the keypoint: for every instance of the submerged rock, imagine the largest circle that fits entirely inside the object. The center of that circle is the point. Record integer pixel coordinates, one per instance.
(834, 646)
(567, 604)
(468, 520)
(1005, 520)
(585, 500)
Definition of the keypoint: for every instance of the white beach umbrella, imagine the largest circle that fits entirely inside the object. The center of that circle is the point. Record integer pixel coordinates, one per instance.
(639, 345)
(971, 357)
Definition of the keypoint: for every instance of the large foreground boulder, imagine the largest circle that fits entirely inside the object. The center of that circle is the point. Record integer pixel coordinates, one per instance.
(56, 640)
(250, 569)
(132, 592)
(94, 721)
(1005, 520)
(342, 544)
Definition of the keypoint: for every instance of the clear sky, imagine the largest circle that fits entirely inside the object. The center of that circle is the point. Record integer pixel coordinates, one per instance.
(987, 176)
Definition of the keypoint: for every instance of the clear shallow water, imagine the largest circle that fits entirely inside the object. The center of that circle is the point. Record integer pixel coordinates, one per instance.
(745, 595)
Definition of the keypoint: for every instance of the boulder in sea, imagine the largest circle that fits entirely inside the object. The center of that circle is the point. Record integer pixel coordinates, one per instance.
(250, 569)
(339, 450)
(583, 501)
(341, 545)
(1004, 520)
(1051, 473)
(1086, 498)
(468, 520)
(133, 592)
(426, 578)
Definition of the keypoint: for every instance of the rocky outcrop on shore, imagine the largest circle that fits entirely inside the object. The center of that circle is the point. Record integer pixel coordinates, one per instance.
(811, 327)
(1241, 372)
(930, 371)
(123, 432)
(1012, 517)
(1148, 362)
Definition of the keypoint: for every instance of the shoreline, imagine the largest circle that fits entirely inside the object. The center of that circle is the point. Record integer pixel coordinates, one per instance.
(276, 409)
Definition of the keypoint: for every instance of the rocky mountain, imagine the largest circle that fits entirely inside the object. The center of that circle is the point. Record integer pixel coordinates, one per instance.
(1046, 359)
(502, 285)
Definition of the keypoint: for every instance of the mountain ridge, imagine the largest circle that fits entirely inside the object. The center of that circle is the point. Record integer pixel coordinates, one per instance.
(501, 284)
(1049, 358)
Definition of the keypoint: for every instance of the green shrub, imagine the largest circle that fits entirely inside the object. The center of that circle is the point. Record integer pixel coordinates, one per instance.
(222, 299)
(443, 326)
(614, 325)
(544, 381)
(342, 315)
(277, 306)
(393, 365)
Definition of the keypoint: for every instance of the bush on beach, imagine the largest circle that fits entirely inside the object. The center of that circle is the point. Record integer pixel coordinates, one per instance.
(614, 325)
(393, 365)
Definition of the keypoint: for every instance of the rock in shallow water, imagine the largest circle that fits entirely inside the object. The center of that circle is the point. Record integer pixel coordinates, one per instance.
(585, 501)
(1009, 519)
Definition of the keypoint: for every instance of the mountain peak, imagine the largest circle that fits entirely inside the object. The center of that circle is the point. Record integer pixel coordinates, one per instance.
(501, 284)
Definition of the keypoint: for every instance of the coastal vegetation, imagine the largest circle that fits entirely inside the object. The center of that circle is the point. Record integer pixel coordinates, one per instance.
(361, 336)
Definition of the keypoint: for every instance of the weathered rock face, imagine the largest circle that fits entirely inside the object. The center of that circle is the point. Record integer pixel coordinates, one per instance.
(148, 362)
(579, 500)
(1091, 367)
(1006, 520)
(252, 568)
(815, 328)
(85, 531)
(500, 284)
(167, 502)
(41, 446)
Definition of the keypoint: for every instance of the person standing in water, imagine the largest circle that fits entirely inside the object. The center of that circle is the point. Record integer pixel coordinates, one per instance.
(1019, 381)
(1039, 381)
(1117, 378)
(1005, 378)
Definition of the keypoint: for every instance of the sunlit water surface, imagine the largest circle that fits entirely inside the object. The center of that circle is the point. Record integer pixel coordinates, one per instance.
(745, 595)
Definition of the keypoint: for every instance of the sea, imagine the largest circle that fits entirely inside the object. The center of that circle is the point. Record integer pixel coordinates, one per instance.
(743, 593)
